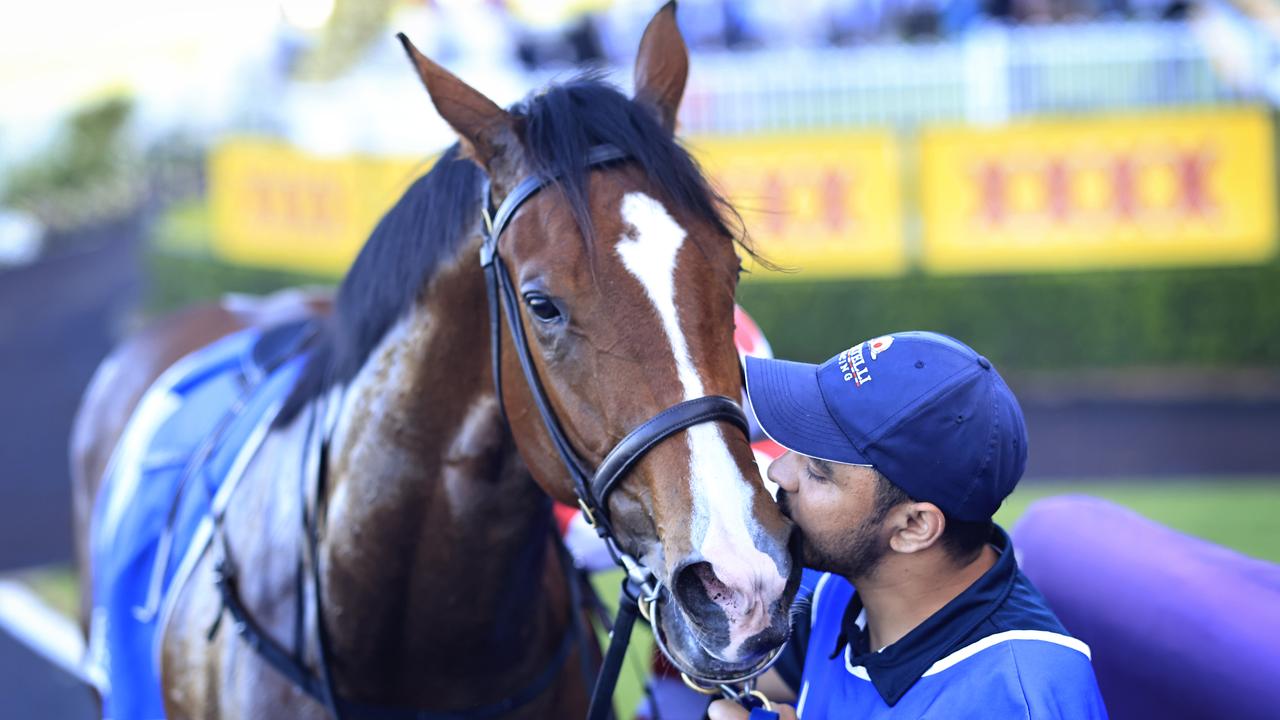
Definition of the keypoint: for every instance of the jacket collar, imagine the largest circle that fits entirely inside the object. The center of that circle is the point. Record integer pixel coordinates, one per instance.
(897, 667)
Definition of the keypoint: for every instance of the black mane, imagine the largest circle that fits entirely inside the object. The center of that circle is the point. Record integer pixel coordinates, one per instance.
(430, 222)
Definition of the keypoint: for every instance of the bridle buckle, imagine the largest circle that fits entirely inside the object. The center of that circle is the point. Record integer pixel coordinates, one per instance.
(588, 516)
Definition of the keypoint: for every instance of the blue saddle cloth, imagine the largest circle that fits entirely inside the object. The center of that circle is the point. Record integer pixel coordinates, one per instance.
(188, 433)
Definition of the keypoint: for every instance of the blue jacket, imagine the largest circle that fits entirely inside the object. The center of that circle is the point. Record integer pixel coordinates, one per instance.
(995, 651)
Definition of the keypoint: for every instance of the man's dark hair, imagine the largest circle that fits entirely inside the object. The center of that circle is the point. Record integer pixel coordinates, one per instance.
(962, 539)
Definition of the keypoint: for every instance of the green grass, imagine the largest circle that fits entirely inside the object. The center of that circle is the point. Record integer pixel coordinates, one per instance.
(185, 228)
(1244, 515)
(58, 586)
(1240, 514)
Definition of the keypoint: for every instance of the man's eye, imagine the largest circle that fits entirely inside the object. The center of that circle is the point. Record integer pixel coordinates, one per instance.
(541, 307)
(814, 474)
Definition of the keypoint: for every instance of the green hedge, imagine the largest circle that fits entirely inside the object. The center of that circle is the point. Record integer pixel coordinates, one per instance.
(1225, 317)
(1221, 317)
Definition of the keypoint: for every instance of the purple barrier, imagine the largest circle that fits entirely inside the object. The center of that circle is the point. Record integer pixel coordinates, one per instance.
(1179, 627)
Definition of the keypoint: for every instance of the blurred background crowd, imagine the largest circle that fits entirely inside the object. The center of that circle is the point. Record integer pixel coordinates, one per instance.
(129, 97)
(1084, 190)
(92, 89)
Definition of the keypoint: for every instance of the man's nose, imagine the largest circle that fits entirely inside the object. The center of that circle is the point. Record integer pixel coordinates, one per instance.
(783, 472)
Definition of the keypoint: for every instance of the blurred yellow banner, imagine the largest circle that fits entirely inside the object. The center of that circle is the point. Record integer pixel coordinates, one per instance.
(824, 204)
(277, 206)
(1142, 190)
(1131, 191)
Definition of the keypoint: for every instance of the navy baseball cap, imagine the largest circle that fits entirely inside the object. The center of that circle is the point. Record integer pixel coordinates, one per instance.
(924, 409)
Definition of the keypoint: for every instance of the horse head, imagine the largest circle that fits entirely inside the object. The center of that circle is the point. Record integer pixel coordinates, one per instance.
(625, 276)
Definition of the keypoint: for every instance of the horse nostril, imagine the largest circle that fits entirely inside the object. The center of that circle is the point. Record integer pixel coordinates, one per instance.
(700, 591)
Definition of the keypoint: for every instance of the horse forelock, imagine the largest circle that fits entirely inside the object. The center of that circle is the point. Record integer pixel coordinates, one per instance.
(563, 122)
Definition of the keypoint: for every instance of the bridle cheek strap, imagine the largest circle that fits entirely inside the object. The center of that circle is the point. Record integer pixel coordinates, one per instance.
(500, 288)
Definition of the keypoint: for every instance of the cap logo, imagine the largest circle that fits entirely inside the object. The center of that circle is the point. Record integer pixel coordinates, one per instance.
(854, 366)
(879, 345)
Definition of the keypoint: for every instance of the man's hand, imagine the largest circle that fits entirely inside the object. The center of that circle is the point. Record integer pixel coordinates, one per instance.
(730, 710)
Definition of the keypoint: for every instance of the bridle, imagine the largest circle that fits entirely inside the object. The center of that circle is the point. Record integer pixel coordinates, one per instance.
(641, 588)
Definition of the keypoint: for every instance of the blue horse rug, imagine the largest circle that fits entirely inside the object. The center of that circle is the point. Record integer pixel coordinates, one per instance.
(176, 464)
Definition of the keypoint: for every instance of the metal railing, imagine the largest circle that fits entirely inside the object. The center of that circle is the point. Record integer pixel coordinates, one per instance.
(989, 76)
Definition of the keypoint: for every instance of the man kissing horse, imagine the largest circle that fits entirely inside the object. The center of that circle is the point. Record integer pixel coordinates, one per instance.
(363, 528)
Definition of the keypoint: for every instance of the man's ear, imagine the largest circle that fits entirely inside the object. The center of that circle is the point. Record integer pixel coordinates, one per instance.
(662, 66)
(917, 526)
(490, 135)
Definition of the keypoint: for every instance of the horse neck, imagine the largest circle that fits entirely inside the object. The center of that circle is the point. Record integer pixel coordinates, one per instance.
(436, 539)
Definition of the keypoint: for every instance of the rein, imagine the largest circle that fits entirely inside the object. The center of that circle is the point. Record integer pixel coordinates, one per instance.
(641, 589)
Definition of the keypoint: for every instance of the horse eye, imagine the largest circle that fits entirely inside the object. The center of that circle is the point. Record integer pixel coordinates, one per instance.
(542, 307)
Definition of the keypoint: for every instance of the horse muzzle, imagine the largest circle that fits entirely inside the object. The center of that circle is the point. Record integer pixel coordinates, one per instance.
(701, 642)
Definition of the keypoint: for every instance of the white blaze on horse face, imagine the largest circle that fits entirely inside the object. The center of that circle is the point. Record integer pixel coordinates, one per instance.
(722, 497)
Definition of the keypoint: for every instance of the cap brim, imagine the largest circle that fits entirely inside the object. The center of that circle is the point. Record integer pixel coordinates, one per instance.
(789, 406)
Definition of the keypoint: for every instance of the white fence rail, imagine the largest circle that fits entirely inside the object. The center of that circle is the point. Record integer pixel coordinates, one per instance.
(989, 76)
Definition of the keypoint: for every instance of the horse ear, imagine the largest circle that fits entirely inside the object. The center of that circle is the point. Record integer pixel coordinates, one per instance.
(662, 66)
(487, 131)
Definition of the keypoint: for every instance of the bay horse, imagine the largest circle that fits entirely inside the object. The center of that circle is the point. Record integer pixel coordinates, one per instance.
(413, 483)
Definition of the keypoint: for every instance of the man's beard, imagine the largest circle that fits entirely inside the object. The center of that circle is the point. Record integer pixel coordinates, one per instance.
(854, 554)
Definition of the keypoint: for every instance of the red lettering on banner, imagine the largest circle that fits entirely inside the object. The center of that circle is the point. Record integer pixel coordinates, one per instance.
(1124, 190)
(293, 205)
(991, 191)
(1057, 177)
(1193, 192)
(322, 206)
(260, 193)
(775, 204)
(1058, 185)
(834, 191)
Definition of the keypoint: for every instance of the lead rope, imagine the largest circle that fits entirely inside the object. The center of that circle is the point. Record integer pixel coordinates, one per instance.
(619, 638)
